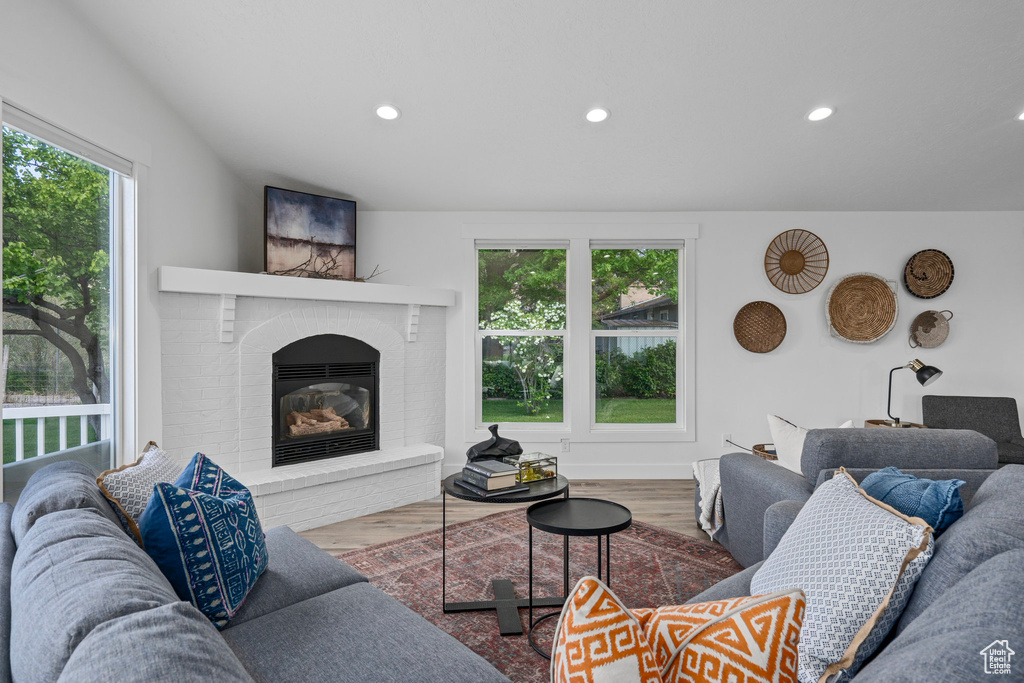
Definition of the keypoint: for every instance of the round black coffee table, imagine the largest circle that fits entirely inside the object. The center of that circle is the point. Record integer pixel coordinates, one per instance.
(575, 517)
(505, 603)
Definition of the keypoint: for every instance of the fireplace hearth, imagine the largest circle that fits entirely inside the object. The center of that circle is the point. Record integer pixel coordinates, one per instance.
(325, 391)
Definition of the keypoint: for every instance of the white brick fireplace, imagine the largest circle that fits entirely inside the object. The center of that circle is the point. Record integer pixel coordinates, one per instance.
(219, 331)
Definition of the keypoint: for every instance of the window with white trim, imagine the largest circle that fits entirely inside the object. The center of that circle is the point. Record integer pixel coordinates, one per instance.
(635, 330)
(521, 334)
(68, 207)
(583, 336)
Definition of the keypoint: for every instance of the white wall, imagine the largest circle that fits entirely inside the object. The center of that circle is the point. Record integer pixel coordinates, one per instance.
(812, 379)
(192, 210)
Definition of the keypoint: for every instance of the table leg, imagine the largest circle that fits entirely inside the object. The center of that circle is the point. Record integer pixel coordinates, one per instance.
(599, 558)
(607, 559)
(444, 536)
(530, 619)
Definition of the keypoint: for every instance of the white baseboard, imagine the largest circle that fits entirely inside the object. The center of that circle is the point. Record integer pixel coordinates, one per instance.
(610, 471)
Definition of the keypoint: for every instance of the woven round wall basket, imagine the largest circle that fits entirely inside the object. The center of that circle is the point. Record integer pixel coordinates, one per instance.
(930, 329)
(796, 261)
(928, 274)
(759, 327)
(862, 308)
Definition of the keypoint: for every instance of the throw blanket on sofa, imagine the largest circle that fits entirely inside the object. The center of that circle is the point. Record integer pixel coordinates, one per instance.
(712, 513)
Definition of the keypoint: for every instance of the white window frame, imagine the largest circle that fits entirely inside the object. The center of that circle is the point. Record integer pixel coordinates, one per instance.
(590, 232)
(123, 254)
(677, 334)
(479, 336)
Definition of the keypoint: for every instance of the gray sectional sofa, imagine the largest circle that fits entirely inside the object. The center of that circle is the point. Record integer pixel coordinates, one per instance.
(970, 596)
(82, 602)
(751, 485)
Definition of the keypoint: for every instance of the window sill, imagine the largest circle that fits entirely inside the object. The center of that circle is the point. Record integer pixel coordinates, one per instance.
(555, 435)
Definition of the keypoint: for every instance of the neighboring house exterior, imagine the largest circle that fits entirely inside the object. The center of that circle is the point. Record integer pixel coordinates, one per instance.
(650, 313)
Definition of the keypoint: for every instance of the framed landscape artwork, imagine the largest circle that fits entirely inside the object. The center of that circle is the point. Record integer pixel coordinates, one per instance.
(309, 235)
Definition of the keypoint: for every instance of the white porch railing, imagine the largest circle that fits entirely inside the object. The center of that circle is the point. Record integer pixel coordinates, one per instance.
(61, 413)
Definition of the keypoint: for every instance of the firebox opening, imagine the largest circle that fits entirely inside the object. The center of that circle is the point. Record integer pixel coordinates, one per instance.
(325, 399)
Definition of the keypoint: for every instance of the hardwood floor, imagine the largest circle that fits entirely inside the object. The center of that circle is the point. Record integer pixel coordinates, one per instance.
(667, 503)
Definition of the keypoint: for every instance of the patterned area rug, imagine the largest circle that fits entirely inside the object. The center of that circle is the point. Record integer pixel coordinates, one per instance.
(651, 566)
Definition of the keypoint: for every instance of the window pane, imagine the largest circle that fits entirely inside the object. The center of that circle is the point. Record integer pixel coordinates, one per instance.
(635, 288)
(636, 380)
(522, 289)
(522, 379)
(57, 289)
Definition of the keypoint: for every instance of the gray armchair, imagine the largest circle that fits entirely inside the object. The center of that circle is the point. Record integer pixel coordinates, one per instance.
(750, 485)
(996, 418)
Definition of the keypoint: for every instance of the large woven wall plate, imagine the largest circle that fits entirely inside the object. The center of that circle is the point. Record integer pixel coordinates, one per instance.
(796, 261)
(928, 273)
(759, 327)
(862, 308)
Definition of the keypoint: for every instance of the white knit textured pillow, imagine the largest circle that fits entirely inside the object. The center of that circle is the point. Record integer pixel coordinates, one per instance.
(129, 487)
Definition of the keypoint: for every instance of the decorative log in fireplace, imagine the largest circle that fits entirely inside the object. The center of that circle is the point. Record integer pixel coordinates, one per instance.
(325, 399)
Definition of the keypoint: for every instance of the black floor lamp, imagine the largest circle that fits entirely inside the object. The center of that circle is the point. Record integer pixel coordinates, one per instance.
(926, 374)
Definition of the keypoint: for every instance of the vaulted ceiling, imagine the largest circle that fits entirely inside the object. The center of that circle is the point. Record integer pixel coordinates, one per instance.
(707, 99)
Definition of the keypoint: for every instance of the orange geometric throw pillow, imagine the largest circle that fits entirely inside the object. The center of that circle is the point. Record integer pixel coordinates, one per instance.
(741, 640)
(599, 641)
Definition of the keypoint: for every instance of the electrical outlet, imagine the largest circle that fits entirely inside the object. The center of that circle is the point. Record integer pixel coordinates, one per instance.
(726, 438)
(565, 445)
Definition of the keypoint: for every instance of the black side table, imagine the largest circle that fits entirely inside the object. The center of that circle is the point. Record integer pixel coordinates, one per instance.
(505, 603)
(575, 517)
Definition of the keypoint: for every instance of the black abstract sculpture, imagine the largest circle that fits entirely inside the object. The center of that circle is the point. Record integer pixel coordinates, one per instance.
(494, 448)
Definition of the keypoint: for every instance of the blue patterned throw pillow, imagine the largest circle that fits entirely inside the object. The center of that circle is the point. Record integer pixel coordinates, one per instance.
(936, 502)
(203, 533)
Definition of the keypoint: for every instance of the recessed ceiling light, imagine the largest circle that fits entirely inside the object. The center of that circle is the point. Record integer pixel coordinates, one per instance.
(597, 115)
(388, 112)
(1020, 117)
(820, 114)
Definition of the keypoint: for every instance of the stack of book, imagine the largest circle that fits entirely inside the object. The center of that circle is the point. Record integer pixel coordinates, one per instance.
(489, 478)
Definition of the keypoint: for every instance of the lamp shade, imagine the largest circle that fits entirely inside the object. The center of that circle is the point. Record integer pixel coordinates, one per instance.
(926, 374)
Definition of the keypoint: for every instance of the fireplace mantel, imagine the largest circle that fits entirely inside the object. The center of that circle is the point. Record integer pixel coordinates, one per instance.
(201, 281)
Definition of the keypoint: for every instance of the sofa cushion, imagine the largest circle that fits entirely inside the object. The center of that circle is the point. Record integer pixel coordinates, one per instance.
(355, 634)
(297, 571)
(61, 486)
(946, 643)
(908, 449)
(857, 561)
(993, 524)
(7, 550)
(204, 534)
(172, 642)
(74, 570)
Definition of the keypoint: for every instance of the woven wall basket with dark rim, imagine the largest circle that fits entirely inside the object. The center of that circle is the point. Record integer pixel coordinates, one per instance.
(862, 308)
(928, 273)
(759, 327)
(796, 261)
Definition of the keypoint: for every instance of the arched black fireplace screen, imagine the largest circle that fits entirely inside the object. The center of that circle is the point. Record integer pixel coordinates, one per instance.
(325, 399)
